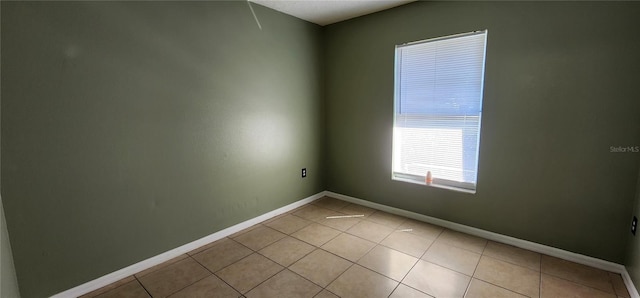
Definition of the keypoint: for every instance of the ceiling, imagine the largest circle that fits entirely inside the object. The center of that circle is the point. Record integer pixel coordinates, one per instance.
(325, 12)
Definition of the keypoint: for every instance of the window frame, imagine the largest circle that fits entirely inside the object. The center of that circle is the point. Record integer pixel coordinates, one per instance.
(467, 187)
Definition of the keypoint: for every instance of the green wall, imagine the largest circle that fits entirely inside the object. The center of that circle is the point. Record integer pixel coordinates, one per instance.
(561, 87)
(129, 129)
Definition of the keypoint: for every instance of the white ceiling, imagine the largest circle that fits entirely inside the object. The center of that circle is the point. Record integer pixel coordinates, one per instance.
(325, 12)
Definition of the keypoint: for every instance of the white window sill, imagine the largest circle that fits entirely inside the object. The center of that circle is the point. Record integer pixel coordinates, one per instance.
(436, 185)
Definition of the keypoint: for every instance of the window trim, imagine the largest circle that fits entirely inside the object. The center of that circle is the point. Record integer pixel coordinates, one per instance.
(465, 187)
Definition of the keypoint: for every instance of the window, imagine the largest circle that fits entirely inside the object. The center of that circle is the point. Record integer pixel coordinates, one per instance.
(438, 110)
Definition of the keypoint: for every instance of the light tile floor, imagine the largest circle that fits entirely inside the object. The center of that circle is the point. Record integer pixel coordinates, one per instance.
(317, 250)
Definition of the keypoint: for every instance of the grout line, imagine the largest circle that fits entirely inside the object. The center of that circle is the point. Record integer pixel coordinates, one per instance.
(334, 237)
(311, 281)
(512, 263)
(411, 269)
(313, 245)
(218, 277)
(408, 286)
(304, 226)
(394, 289)
(296, 273)
(540, 284)
(466, 291)
(499, 286)
(615, 291)
(343, 272)
(143, 287)
(482, 254)
(98, 293)
(408, 271)
(213, 273)
(162, 265)
(238, 290)
(295, 261)
(143, 265)
(460, 246)
(226, 283)
(473, 274)
(432, 243)
(486, 243)
(190, 283)
(268, 278)
(578, 283)
(439, 235)
(528, 245)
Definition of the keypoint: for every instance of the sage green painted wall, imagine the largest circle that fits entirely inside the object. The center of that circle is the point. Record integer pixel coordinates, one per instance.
(131, 128)
(561, 87)
(632, 260)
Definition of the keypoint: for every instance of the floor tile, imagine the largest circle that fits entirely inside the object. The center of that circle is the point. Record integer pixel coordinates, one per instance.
(390, 220)
(210, 286)
(349, 247)
(370, 231)
(109, 287)
(340, 223)
(162, 265)
(316, 234)
(404, 291)
(481, 289)
(284, 284)
(354, 209)
(172, 278)
(320, 267)
(326, 294)
(407, 243)
(421, 229)
(224, 253)
(461, 240)
(512, 254)
(361, 282)
(330, 203)
(618, 285)
(288, 224)
(236, 234)
(131, 289)
(430, 261)
(451, 257)
(259, 237)
(436, 280)
(512, 277)
(315, 213)
(557, 287)
(249, 272)
(578, 273)
(286, 251)
(388, 262)
(205, 247)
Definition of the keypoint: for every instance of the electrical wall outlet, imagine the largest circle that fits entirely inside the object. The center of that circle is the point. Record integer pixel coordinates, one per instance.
(634, 225)
(304, 172)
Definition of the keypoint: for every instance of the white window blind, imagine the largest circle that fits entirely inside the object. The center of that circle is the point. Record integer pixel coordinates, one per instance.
(438, 109)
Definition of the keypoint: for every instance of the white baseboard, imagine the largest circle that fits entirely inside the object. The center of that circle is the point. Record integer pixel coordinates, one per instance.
(532, 246)
(163, 257)
(629, 283)
(540, 248)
